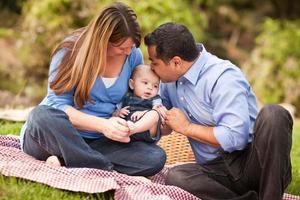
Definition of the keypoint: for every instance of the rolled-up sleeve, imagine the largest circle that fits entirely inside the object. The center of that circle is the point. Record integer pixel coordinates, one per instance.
(65, 99)
(231, 112)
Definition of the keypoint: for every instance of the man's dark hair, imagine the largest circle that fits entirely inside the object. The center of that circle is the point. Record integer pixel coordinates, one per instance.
(171, 40)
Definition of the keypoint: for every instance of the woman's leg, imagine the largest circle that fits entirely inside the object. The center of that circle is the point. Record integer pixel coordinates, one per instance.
(135, 158)
(49, 132)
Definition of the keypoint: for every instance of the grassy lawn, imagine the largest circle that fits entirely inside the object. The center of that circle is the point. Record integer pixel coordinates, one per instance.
(17, 189)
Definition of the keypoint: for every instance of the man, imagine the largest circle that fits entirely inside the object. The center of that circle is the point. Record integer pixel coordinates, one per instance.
(239, 154)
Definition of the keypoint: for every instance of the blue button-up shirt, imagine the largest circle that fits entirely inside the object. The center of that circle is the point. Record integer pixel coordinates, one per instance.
(104, 100)
(214, 92)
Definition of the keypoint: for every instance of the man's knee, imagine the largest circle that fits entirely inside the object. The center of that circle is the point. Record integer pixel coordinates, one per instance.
(175, 177)
(275, 112)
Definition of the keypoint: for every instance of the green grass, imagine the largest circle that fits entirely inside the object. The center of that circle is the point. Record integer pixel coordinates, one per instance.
(18, 189)
(13, 188)
(294, 187)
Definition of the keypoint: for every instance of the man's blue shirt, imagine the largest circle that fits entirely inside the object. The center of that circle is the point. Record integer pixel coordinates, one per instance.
(214, 92)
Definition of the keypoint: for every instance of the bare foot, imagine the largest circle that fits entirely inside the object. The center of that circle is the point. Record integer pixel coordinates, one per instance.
(53, 160)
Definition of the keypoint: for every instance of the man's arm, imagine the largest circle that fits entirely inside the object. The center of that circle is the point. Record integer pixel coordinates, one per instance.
(177, 121)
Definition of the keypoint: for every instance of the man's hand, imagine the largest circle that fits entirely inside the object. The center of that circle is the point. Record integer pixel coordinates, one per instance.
(177, 120)
(162, 111)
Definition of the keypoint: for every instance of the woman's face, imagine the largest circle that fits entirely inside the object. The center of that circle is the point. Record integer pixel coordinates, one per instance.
(120, 49)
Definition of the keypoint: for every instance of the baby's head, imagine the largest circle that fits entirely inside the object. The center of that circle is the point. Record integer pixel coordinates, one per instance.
(144, 82)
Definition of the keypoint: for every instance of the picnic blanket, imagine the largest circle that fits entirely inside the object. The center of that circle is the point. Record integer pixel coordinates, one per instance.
(13, 162)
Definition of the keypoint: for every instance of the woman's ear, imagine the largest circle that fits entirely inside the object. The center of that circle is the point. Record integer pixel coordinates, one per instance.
(131, 84)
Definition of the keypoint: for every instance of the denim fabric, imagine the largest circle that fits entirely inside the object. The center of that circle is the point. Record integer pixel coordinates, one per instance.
(260, 171)
(49, 132)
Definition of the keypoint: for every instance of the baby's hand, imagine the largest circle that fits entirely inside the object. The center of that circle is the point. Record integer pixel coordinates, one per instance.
(162, 111)
(123, 112)
(137, 115)
(131, 127)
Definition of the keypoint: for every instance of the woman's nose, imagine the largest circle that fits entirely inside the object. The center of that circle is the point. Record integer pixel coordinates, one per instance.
(127, 51)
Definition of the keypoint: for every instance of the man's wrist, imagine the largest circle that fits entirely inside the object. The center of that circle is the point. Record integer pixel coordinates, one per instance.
(187, 129)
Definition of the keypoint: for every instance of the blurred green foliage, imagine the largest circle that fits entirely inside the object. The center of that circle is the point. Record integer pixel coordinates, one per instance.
(45, 23)
(262, 37)
(274, 66)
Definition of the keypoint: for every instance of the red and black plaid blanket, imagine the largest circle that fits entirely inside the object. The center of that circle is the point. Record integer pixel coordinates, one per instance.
(13, 162)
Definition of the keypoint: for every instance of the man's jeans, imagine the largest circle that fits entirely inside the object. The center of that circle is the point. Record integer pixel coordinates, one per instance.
(261, 171)
(49, 132)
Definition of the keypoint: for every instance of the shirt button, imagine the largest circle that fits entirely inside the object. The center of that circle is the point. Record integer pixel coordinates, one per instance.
(180, 83)
(181, 98)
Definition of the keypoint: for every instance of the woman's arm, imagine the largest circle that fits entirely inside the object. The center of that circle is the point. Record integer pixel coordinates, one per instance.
(113, 128)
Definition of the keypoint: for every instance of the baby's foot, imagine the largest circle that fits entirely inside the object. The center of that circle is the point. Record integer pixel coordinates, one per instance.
(53, 160)
(131, 127)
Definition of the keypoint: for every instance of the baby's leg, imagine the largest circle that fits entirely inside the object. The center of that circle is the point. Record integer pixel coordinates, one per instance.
(148, 122)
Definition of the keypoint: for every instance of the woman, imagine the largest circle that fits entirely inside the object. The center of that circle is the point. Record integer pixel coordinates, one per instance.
(88, 77)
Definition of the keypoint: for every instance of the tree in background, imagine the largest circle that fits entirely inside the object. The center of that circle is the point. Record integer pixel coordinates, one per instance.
(259, 36)
(45, 23)
(274, 65)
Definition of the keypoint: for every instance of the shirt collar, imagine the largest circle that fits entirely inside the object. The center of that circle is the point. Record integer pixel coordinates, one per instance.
(195, 70)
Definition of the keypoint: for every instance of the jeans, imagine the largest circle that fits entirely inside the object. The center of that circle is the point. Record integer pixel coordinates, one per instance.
(49, 132)
(261, 171)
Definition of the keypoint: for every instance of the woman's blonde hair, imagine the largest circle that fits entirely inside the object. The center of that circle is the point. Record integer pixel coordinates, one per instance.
(85, 57)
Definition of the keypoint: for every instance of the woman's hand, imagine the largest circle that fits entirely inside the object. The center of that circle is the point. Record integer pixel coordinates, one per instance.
(177, 120)
(116, 129)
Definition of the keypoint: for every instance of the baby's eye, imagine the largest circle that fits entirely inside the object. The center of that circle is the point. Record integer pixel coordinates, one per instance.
(145, 82)
(155, 86)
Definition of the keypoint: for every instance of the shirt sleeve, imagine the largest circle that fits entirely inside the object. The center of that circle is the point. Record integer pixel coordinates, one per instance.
(156, 101)
(65, 99)
(163, 92)
(230, 110)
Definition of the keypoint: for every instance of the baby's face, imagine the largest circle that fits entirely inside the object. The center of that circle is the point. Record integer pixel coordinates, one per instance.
(145, 85)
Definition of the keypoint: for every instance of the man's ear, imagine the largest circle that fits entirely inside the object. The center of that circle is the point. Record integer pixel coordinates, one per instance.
(177, 61)
(131, 81)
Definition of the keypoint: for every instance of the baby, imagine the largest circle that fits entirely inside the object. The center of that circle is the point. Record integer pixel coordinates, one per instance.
(139, 105)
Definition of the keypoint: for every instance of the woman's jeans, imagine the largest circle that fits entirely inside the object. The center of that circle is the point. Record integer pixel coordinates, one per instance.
(49, 132)
(261, 171)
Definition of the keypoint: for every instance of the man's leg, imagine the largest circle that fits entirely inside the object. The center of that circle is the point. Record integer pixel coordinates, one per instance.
(135, 158)
(207, 182)
(268, 168)
(49, 132)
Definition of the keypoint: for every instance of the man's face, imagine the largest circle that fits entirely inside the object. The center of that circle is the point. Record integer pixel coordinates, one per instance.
(166, 72)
